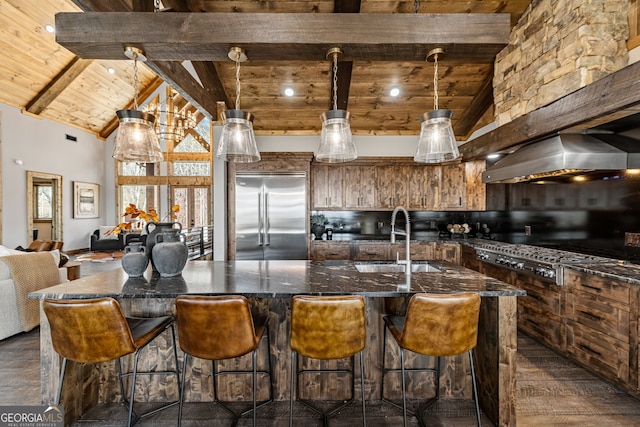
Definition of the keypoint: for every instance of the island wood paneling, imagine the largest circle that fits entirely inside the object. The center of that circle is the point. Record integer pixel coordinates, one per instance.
(496, 369)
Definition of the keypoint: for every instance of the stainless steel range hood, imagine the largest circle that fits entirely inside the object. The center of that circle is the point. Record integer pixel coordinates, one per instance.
(564, 155)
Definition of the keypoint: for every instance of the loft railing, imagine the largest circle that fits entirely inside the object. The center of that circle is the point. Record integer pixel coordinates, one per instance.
(199, 241)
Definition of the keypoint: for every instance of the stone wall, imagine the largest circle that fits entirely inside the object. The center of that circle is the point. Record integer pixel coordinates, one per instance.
(557, 47)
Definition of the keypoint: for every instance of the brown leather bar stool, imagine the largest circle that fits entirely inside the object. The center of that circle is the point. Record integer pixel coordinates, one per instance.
(435, 325)
(327, 328)
(96, 330)
(222, 327)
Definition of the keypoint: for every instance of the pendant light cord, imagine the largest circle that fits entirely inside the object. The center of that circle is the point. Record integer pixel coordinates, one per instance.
(237, 80)
(416, 6)
(335, 81)
(135, 81)
(435, 82)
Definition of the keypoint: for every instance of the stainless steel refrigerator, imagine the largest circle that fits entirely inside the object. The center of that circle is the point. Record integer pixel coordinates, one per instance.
(271, 216)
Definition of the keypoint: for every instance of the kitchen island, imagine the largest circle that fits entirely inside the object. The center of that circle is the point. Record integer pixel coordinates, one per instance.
(270, 284)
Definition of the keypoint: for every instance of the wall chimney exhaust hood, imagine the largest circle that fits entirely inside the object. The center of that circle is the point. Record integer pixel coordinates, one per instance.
(566, 154)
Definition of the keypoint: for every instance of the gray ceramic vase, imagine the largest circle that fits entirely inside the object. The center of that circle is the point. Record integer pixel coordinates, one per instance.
(135, 259)
(153, 229)
(170, 252)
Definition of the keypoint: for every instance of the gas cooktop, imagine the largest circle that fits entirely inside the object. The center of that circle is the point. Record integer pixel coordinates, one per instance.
(542, 262)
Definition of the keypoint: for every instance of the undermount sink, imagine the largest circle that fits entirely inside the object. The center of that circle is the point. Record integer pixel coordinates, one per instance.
(392, 267)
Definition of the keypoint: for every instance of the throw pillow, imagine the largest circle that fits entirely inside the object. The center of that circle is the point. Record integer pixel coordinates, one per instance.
(102, 230)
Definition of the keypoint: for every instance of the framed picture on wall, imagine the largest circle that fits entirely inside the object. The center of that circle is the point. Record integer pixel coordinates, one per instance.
(86, 200)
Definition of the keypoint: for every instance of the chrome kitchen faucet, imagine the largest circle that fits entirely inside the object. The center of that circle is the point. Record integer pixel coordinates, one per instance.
(406, 233)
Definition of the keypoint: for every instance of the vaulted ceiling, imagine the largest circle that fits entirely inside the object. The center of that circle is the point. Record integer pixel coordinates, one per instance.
(66, 77)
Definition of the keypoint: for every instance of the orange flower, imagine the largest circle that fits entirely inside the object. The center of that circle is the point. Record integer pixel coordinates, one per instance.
(135, 216)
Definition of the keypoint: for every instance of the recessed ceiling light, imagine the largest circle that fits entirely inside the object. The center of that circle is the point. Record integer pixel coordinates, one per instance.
(49, 28)
(493, 156)
(111, 70)
(289, 92)
(394, 91)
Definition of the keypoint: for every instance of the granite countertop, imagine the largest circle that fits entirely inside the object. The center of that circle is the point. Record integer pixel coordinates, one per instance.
(624, 272)
(270, 279)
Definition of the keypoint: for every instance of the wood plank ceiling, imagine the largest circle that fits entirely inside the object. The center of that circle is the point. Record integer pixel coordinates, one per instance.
(75, 86)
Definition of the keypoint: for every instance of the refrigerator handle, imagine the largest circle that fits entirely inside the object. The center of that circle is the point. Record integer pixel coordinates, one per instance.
(267, 240)
(260, 219)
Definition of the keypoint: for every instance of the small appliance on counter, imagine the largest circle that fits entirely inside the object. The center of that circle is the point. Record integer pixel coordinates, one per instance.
(329, 232)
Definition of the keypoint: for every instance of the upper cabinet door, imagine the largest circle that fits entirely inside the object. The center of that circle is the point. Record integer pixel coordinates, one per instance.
(327, 186)
(392, 186)
(453, 187)
(424, 187)
(359, 187)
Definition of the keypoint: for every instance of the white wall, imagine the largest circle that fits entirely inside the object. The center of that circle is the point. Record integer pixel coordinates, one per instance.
(394, 146)
(42, 147)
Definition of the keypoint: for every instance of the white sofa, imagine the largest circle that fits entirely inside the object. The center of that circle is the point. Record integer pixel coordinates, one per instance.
(9, 317)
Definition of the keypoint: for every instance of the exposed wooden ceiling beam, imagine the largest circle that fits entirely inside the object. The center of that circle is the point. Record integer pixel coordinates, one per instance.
(177, 76)
(343, 85)
(207, 73)
(609, 98)
(474, 112)
(284, 36)
(55, 87)
(345, 68)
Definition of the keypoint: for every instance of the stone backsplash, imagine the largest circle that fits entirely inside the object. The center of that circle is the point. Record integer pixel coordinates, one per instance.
(557, 47)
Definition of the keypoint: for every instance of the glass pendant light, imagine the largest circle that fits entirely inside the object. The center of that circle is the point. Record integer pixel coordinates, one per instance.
(336, 141)
(136, 140)
(238, 142)
(437, 143)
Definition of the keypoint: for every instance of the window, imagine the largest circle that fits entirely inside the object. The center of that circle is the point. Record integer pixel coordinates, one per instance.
(44, 198)
(184, 177)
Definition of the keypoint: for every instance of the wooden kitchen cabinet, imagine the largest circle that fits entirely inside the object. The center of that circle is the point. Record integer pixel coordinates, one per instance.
(322, 250)
(453, 193)
(370, 251)
(359, 187)
(527, 196)
(599, 326)
(475, 189)
(468, 257)
(420, 251)
(392, 186)
(445, 251)
(540, 311)
(384, 183)
(327, 186)
(424, 187)
(560, 196)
